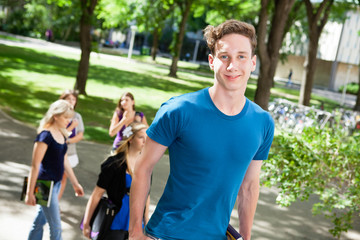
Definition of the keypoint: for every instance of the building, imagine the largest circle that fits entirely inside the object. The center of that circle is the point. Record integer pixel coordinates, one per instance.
(337, 58)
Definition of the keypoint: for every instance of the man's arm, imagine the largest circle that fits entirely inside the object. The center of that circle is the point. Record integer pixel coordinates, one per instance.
(248, 197)
(140, 186)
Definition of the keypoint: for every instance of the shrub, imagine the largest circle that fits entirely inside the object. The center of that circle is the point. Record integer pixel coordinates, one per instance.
(351, 88)
(324, 162)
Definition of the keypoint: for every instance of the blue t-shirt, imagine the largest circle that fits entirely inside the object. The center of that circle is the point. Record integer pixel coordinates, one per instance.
(209, 155)
(52, 165)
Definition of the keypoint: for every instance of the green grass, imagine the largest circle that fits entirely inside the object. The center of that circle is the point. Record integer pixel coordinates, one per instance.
(10, 38)
(166, 62)
(32, 78)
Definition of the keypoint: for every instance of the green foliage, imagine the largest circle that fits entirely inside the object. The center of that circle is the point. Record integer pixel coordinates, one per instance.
(116, 13)
(352, 88)
(152, 14)
(34, 17)
(324, 162)
(22, 22)
(217, 11)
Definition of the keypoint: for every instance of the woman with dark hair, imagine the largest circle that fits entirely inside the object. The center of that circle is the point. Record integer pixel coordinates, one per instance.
(115, 178)
(76, 128)
(124, 114)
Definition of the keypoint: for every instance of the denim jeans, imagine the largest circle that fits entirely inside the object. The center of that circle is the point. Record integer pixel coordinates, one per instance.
(49, 215)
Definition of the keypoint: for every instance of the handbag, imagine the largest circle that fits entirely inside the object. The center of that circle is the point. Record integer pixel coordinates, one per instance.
(102, 219)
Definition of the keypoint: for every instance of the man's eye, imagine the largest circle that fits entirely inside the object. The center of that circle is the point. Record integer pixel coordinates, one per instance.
(224, 57)
(241, 57)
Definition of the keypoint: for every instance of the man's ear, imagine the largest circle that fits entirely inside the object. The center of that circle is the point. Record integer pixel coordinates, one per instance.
(253, 60)
(211, 62)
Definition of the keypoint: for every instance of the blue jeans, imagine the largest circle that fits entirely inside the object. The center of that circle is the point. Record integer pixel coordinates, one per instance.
(49, 215)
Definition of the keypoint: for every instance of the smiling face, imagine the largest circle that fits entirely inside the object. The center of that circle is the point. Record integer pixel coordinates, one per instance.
(232, 62)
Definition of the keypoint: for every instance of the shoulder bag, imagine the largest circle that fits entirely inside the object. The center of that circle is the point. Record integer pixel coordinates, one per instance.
(102, 218)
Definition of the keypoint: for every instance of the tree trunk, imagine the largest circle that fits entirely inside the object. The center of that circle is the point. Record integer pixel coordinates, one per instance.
(67, 33)
(310, 67)
(317, 19)
(357, 105)
(87, 7)
(269, 49)
(264, 84)
(185, 7)
(155, 43)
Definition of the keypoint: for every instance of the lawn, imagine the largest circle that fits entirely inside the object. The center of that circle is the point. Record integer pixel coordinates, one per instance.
(33, 77)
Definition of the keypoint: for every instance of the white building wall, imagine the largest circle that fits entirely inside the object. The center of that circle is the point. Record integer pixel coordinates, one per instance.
(338, 42)
(329, 41)
(349, 48)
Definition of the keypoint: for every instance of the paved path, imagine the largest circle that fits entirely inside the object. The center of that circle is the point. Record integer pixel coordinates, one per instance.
(16, 142)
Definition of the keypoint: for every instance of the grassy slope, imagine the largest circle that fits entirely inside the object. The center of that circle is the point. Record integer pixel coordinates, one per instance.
(32, 78)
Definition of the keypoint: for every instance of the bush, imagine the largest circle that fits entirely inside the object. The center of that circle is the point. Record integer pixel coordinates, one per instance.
(351, 88)
(324, 162)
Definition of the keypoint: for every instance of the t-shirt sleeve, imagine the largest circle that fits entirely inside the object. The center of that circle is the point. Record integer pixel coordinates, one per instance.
(165, 127)
(106, 176)
(44, 136)
(80, 126)
(263, 151)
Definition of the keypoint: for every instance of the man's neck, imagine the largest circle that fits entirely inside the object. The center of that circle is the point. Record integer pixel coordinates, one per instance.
(228, 102)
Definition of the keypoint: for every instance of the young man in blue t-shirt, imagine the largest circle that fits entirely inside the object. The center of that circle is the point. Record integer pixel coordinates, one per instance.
(217, 139)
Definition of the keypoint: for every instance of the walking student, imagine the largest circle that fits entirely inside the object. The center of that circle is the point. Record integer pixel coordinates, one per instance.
(76, 127)
(49, 161)
(115, 179)
(217, 140)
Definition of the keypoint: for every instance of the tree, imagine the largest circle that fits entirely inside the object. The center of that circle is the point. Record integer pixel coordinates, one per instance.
(269, 48)
(152, 16)
(220, 11)
(116, 13)
(184, 6)
(317, 18)
(87, 8)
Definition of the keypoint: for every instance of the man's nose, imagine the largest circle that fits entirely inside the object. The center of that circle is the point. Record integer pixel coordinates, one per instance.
(231, 66)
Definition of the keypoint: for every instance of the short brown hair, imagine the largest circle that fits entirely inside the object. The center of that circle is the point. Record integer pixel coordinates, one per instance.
(213, 34)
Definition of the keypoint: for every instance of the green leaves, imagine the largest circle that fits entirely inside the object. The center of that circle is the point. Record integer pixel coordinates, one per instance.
(324, 162)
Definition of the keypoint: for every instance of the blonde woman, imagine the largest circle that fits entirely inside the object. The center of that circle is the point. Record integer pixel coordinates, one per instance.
(49, 161)
(115, 178)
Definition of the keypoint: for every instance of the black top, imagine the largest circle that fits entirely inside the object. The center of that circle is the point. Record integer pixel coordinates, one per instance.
(52, 165)
(112, 178)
